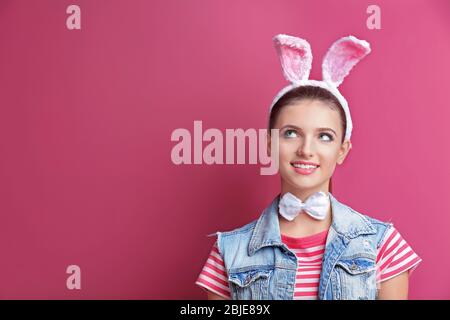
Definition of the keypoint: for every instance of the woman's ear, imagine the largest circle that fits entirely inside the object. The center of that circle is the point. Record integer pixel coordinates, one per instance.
(343, 151)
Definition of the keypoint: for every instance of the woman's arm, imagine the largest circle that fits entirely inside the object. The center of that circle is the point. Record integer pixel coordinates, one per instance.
(395, 288)
(213, 296)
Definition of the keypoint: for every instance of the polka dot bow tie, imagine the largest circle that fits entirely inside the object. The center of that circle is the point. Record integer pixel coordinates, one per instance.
(316, 206)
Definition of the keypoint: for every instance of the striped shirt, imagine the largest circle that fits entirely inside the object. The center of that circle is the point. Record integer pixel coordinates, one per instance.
(394, 256)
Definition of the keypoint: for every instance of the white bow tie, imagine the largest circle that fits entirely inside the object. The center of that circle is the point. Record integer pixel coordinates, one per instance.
(316, 206)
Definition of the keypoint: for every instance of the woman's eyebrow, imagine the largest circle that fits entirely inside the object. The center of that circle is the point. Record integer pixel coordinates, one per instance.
(326, 129)
(317, 129)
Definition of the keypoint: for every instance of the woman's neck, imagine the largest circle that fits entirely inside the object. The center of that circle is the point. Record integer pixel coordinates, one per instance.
(304, 225)
(303, 194)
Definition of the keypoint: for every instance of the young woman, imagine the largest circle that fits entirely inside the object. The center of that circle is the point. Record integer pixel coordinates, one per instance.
(306, 244)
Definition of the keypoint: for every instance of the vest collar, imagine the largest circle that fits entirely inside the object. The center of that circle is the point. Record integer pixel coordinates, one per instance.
(345, 221)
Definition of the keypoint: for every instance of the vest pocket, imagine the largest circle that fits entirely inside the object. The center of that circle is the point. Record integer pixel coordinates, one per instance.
(356, 278)
(357, 265)
(250, 284)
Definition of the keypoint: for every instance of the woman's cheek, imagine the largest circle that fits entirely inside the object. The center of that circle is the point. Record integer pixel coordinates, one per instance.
(328, 167)
(286, 151)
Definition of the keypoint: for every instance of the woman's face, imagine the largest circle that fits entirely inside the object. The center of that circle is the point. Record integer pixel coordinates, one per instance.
(309, 131)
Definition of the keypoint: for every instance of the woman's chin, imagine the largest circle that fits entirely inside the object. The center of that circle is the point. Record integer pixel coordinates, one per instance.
(303, 183)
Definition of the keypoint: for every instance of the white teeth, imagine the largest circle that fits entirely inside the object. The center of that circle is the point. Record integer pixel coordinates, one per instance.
(304, 166)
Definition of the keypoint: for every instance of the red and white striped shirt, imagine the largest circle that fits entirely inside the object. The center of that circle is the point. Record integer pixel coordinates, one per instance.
(394, 256)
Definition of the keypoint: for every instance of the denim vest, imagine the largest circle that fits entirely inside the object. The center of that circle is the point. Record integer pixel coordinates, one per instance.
(261, 267)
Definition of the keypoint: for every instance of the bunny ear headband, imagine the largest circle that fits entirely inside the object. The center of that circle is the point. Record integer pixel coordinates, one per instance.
(296, 59)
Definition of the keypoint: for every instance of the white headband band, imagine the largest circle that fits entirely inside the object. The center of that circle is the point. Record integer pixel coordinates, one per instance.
(296, 60)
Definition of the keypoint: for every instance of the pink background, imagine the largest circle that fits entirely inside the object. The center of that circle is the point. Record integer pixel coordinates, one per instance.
(86, 117)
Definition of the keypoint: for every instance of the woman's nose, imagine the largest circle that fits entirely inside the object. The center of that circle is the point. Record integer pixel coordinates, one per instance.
(305, 148)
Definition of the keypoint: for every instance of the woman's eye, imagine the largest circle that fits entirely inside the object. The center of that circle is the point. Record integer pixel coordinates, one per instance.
(290, 134)
(328, 136)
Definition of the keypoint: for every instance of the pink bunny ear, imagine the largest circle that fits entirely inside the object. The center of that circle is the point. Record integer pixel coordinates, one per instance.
(341, 57)
(295, 57)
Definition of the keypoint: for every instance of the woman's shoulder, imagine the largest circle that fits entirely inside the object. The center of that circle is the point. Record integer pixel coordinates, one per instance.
(357, 220)
(377, 222)
(368, 217)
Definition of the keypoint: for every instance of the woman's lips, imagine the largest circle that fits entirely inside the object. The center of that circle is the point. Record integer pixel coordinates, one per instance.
(304, 171)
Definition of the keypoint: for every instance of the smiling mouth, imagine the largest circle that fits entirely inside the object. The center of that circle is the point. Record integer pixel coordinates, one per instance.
(304, 166)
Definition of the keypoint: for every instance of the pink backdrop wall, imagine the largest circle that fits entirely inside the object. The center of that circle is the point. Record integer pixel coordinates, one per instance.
(86, 117)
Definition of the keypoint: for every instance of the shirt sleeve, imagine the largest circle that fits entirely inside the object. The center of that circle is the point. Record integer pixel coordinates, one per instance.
(213, 276)
(395, 256)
